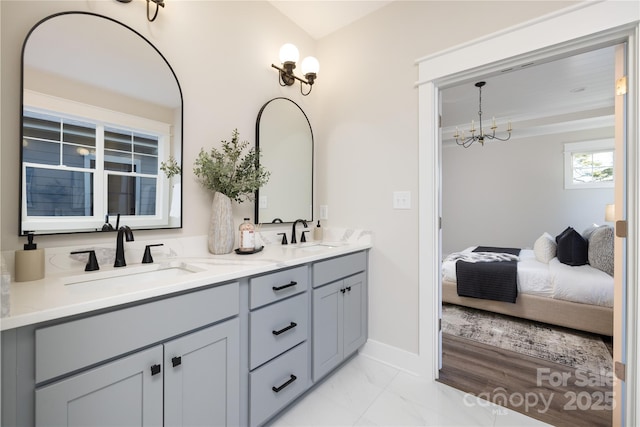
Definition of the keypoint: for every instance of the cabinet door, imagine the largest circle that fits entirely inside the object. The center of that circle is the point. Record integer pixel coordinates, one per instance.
(327, 328)
(355, 313)
(202, 376)
(121, 393)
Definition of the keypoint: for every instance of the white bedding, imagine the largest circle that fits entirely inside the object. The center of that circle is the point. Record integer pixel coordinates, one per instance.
(583, 284)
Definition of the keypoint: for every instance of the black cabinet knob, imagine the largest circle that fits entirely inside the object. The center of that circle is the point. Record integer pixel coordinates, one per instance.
(176, 361)
(155, 369)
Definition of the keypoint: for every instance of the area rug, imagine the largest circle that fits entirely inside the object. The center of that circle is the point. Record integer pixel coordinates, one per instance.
(568, 347)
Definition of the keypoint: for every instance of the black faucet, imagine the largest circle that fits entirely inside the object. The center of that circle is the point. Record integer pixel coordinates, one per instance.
(123, 231)
(293, 231)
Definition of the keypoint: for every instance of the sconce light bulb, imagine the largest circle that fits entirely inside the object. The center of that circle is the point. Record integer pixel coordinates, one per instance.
(289, 53)
(310, 65)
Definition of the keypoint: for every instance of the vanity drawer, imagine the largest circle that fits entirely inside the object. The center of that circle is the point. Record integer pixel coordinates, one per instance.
(276, 286)
(277, 328)
(74, 345)
(278, 382)
(337, 268)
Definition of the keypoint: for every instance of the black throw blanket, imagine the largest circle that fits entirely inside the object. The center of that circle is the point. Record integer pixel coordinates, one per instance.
(489, 280)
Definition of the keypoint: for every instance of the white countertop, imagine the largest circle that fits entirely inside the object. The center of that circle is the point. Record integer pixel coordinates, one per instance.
(59, 294)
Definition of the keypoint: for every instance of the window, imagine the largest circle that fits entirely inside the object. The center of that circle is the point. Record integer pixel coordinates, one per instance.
(80, 169)
(589, 164)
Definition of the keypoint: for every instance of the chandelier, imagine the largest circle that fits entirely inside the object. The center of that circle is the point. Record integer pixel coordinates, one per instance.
(478, 134)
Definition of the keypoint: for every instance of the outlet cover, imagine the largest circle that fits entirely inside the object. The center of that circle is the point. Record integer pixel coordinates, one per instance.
(401, 200)
(324, 212)
(263, 202)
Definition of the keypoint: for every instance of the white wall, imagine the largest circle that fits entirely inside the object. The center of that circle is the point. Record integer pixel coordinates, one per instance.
(363, 109)
(369, 136)
(508, 193)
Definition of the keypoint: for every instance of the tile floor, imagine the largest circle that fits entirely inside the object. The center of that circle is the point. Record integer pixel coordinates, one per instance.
(365, 392)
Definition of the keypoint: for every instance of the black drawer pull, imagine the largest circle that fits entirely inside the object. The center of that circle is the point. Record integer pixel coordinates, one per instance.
(155, 369)
(349, 288)
(343, 290)
(288, 285)
(289, 381)
(285, 329)
(176, 361)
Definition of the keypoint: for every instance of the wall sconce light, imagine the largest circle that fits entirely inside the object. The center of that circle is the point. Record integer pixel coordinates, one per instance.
(289, 55)
(159, 3)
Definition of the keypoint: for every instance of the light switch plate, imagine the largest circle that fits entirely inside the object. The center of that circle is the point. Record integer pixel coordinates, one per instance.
(401, 200)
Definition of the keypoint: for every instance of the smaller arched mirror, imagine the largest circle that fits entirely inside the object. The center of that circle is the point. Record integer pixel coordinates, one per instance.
(285, 142)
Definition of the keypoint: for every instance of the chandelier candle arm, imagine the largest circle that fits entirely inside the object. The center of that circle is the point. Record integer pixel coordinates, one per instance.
(467, 142)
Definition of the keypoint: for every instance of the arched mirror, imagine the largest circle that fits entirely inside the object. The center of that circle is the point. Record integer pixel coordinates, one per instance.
(285, 141)
(101, 111)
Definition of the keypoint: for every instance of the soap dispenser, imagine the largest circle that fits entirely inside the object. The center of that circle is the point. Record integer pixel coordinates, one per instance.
(317, 232)
(29, 263)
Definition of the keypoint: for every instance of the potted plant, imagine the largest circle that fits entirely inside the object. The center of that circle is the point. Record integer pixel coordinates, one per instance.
(232, 173)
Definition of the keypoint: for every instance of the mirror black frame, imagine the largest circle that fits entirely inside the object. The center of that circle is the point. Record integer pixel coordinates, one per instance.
(21, 231)
(257, 194)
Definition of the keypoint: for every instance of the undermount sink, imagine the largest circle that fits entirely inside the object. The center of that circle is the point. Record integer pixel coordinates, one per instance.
(315, 246)
(137, 275)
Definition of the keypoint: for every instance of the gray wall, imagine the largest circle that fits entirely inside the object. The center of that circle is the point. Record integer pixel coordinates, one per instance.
(509, 193)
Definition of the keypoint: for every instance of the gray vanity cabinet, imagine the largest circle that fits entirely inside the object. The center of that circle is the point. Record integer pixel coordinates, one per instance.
(339, 311)
(120, 393)
(237, 353)
(173, 362)
(201, 386)
(196, 376)
(279, 330)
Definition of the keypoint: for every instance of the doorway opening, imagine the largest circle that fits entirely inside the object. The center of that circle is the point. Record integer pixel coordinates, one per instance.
(506, 195)
(438, 72)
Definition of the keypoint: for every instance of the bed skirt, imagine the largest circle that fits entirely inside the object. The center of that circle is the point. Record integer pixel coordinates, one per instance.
(583, 317)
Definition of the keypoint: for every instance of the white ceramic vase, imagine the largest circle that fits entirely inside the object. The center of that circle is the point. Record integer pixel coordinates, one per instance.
(221, 231)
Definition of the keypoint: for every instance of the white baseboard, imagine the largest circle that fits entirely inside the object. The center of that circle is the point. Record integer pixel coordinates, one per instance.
(393, 356)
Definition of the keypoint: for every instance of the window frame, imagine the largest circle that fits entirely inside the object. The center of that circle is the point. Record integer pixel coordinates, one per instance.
(101, 117)
(586, 147)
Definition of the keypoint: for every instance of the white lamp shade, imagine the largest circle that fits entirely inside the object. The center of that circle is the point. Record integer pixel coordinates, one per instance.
(289, 53)
(610, 213)
(310, 65)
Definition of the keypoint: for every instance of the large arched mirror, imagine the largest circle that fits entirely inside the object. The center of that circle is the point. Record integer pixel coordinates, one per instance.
(285, 141)
(101, 111)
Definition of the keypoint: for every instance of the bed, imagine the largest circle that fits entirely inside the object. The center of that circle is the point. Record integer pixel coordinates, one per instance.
(549, 289)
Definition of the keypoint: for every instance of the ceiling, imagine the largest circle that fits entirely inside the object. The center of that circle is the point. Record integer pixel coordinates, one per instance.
(536, 98)
(321, 18)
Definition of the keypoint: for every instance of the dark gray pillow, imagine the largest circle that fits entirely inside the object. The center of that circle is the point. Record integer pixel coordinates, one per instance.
(600, 251)
(572, 248)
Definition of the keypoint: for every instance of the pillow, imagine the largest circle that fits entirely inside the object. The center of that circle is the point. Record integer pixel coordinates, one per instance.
(572, 248)
(586, 234)
(544, 248)
(565, 231)
(600, 252)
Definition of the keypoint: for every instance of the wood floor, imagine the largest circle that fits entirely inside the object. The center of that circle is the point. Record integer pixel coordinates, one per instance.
(549, 392)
